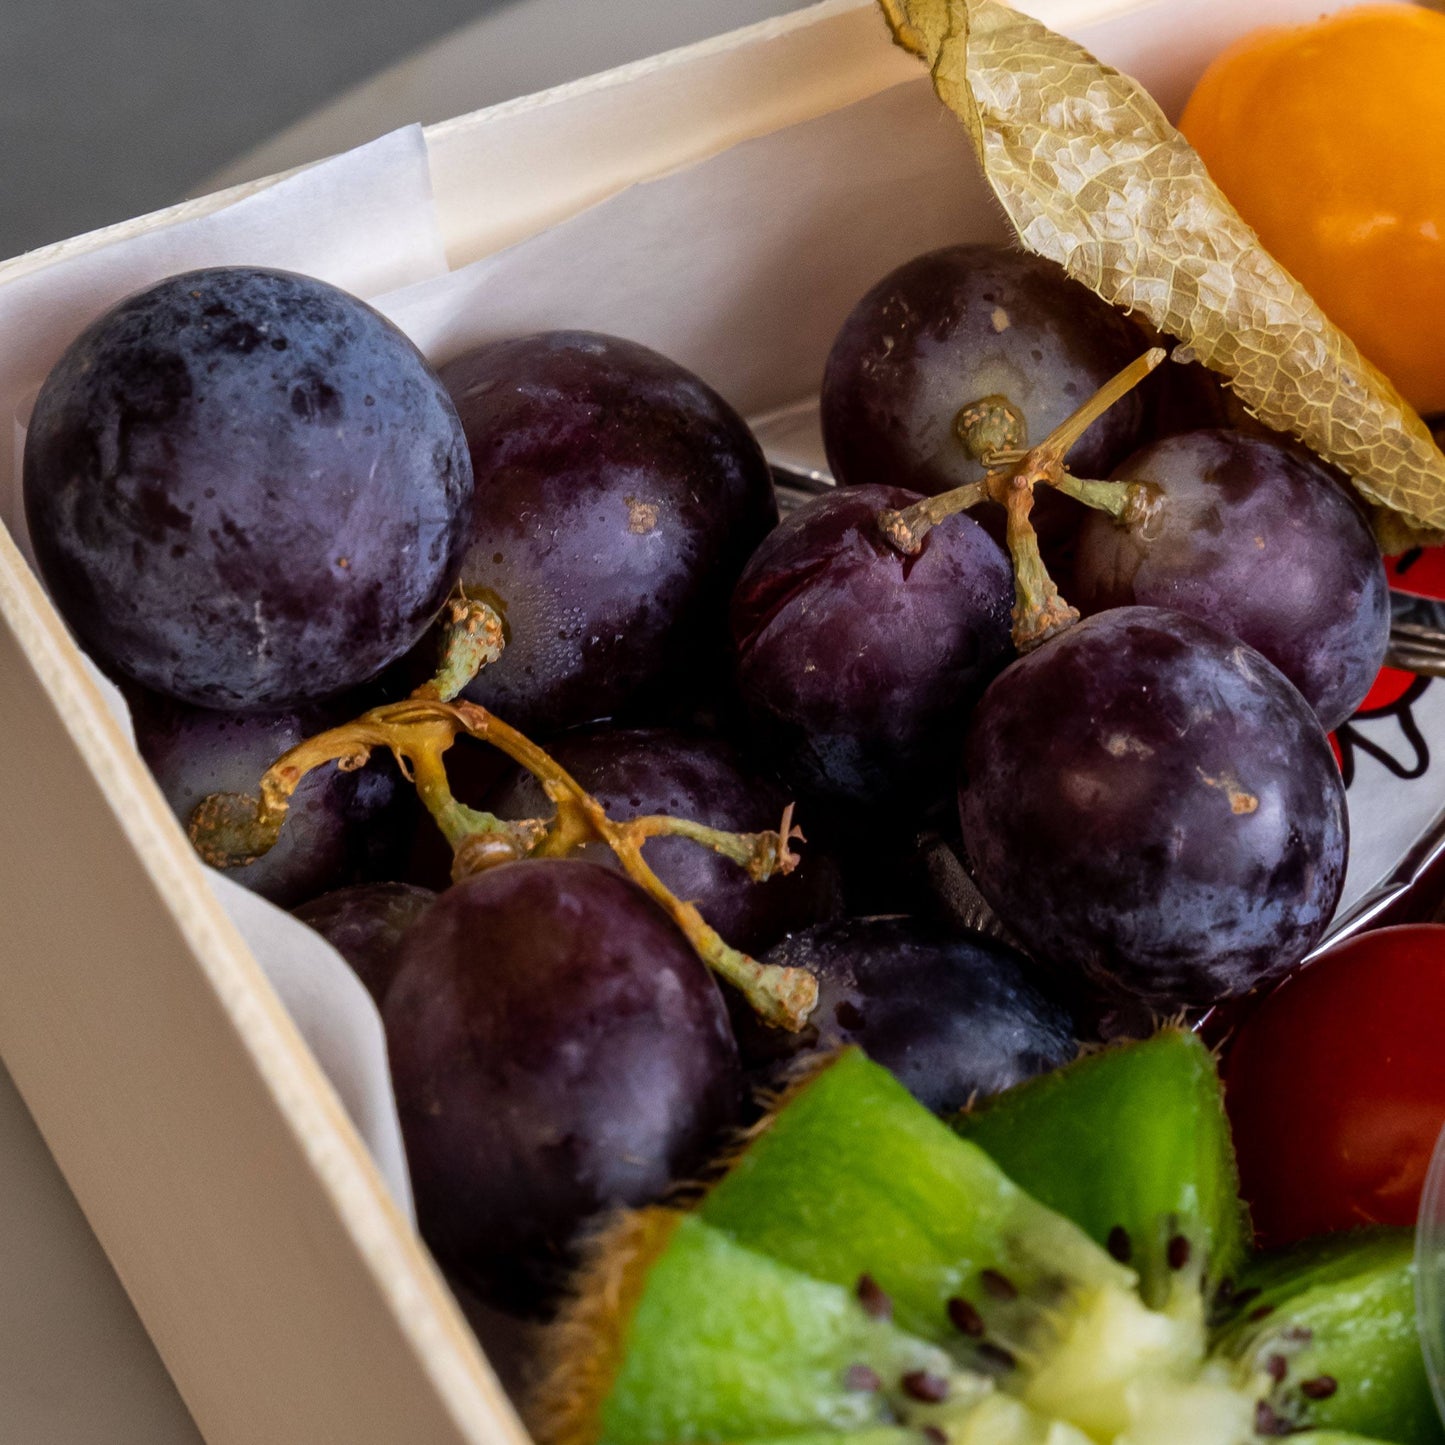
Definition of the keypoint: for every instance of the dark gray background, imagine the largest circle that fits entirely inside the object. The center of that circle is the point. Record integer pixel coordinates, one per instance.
(112, 108)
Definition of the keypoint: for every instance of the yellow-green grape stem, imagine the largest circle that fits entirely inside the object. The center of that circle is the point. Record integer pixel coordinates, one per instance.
(231, 829)
(478, 840)
(473, 637)
(1125, 502)
(782, 996)
(228, 831)
(760, 854)
(906, 529)
(1062, 438)
(990, 425)
(1039, 611)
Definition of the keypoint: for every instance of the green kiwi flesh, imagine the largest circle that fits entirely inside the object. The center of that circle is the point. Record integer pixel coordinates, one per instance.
(851, 1179)
(851, 1176)
(1334, 1437)
(995, 1420)
(862, 1274)
(685, 1335)
(1332, 1324)
(1133, 1145)
(883, 1435)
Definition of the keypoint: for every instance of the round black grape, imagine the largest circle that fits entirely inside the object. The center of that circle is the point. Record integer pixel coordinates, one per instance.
(633, 772)
(957, 326)
(1152, 802)
(364, 924)
(1262, 542)
(557, 1048)
(246, 489)
(342, 827)
(952, 1015)
(617, 499)
(858, 665)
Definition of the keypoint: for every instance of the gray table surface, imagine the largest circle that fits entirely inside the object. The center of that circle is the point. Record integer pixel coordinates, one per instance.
(107, 112)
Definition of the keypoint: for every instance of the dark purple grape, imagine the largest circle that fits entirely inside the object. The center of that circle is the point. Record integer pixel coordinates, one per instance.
(1099, 1015)
(342, 827)
(246, 489)
(617, 500)
(1188, 396)
(858, 665)
(557, 1048)
(1260, 541)
(1152, 802)
(959, 326)
(632, 772)
(952, 1015)
(364, 924)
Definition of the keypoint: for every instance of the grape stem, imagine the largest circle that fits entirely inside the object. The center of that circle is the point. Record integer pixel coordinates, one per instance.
(1011, 476)
(473, 636)
(230, 829)
(1039, 612)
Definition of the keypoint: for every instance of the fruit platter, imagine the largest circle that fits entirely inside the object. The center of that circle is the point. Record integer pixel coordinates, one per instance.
(771, 790)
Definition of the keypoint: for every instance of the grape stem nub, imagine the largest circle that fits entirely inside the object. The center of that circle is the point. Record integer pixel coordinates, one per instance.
(473, 636)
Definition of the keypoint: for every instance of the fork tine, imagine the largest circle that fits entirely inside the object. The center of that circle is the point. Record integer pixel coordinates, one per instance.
(1416, 647)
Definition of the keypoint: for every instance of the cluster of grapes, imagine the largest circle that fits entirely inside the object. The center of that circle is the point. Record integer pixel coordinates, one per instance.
(252, 498)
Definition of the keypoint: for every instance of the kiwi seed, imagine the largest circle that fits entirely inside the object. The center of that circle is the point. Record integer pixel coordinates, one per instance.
(874, 1298)
(1000, 1286)
(965, 1318)
(993, 1356)
(922, 1385)
(862, 1377)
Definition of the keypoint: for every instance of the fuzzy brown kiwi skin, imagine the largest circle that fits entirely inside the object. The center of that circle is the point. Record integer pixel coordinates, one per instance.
(582, 1351)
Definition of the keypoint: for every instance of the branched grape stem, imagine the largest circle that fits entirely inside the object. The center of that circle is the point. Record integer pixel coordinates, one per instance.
(1039, 610)
(230, 829)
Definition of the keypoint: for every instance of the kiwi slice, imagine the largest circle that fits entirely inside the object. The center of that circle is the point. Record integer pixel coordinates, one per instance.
(852, 1181)
(1133, 1145)
(862, 1275)
(1331, 1325)
(681, 1334)
(994, 1420)
(851, 1178)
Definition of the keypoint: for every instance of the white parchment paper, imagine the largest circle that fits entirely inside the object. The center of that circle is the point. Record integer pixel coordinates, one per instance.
(365, 221)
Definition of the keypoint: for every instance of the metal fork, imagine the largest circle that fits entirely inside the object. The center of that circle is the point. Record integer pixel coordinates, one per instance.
(1417, 647)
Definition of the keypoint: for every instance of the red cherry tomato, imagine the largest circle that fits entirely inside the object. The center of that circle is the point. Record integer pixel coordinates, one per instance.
(1335, 1086)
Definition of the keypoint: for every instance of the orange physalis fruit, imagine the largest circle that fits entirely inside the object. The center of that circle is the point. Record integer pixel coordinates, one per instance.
(1327, 138)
